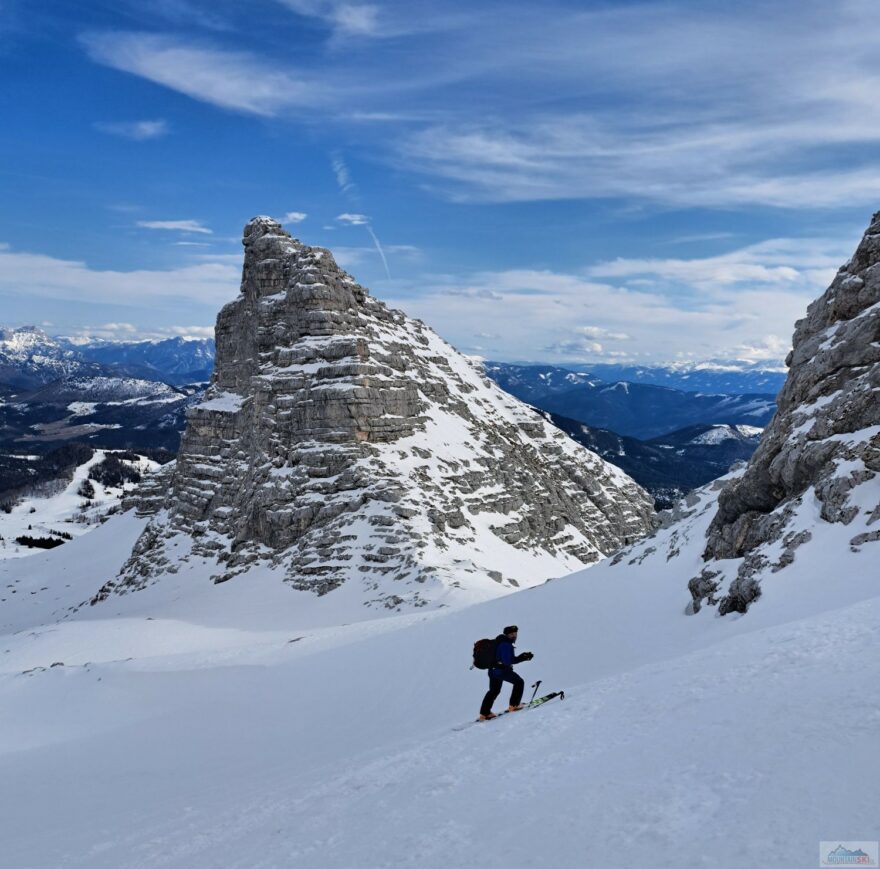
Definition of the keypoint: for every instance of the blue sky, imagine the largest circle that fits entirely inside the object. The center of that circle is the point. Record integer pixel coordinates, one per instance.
(565, 182)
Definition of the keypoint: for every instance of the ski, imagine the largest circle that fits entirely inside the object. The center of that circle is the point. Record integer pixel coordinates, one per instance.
(532, 704)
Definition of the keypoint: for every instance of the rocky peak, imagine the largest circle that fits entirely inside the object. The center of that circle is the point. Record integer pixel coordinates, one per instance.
(821, 451)
(342, 442)
(29, 358)
(25, 338)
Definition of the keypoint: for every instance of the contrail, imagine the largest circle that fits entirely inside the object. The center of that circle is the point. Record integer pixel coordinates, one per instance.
(379, 249)
(348, 188)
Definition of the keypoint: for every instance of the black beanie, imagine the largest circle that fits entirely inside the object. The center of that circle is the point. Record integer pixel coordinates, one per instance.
(511, 629)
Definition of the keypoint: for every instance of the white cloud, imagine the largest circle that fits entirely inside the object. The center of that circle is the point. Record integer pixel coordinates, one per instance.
(343, 176)
(776, 263)
(36, 275)
(741, 305)
(176, 225)
(190, 331)
(294, 217)
(722, 107)
(131, 332)
(356, 19)
(584, 157)
(767, 104)
(139, 131)
(230, 79)
(598, 332)
(353, 219)
(344, 18)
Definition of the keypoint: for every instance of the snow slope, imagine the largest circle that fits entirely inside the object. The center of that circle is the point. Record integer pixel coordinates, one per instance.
(249, 725)
(64, 511)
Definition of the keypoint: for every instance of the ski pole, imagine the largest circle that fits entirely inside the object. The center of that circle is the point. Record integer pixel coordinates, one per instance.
(535, 686)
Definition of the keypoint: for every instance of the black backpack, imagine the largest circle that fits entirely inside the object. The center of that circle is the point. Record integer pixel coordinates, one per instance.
(484, 654)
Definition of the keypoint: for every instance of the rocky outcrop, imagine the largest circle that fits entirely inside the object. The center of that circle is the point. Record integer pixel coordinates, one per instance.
(341, 441)
(820, 456)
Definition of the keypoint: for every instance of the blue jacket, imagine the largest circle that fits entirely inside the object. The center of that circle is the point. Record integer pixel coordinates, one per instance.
(504, 655)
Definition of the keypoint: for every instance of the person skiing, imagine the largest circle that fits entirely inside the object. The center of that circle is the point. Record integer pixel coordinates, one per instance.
(505, 658)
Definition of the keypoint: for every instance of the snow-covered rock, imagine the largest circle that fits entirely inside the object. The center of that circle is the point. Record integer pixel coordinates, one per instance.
(350, 444)
(819, 458)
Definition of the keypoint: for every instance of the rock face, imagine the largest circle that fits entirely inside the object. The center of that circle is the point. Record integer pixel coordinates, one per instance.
(821, 452)
(342, 442)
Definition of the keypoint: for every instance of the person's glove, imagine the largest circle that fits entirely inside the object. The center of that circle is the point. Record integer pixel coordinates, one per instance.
(527, 656)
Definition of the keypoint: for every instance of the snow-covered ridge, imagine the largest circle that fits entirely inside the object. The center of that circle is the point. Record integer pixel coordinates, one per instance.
(719, 433)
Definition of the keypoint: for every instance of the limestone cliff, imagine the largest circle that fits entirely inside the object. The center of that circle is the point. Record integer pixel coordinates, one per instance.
(819, 458)
(345, 443)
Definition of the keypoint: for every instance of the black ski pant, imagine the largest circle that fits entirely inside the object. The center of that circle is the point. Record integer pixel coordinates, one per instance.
(495, 683)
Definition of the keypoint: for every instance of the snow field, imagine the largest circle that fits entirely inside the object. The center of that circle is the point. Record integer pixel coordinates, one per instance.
(248, 725)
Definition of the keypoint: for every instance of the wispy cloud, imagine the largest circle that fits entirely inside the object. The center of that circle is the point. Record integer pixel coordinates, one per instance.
(294, 217)
(138, 131)
(343, 176)
(343, 18)
(176, 225)
(566, 157)
(699, 237)
(772, 263)
(727, 106)
(356, 19)
(233, 80)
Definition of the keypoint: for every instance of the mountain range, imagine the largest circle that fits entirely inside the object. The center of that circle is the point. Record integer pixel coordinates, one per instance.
(670, 465)
(121, 395)
(178, 361)
(30, 358)
(637, 410)
(720, 376)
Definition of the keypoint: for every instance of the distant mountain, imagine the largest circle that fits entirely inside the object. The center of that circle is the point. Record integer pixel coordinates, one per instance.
(695, 377)
(635, 409)
(30, 358)
(532, 383)
(56, 391)
(174, 360)
(673, 464)
(112, 412)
